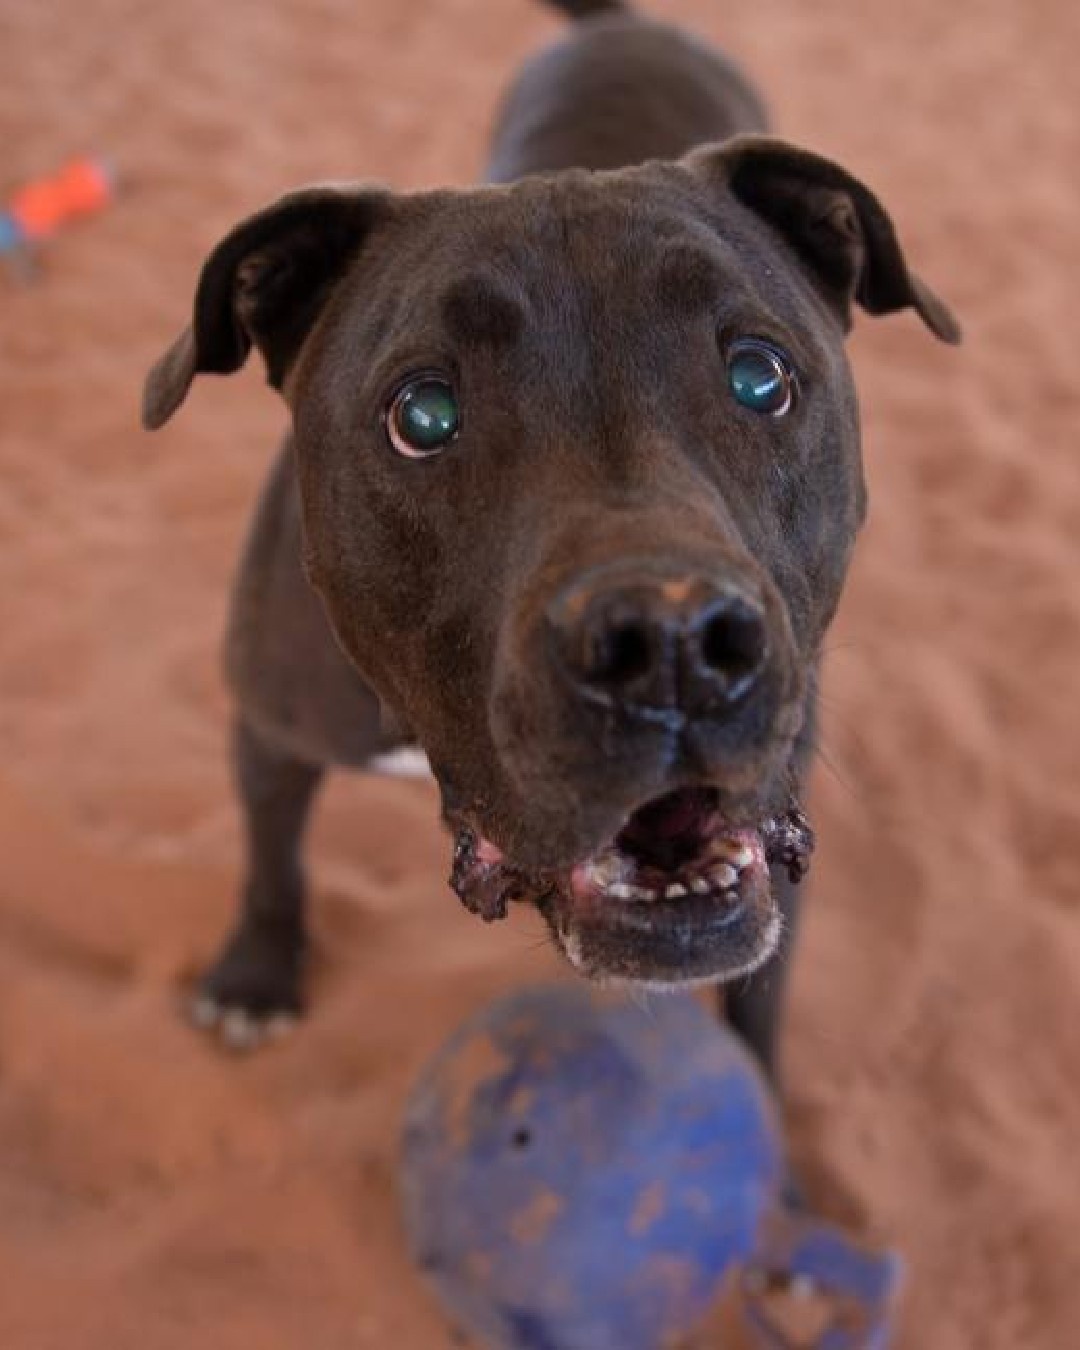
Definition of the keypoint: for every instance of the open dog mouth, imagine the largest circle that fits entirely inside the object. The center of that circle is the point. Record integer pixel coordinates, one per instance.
(680, 894)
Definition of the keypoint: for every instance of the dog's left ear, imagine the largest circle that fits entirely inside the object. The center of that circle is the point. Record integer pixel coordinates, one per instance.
(835, 224)
(265, 285)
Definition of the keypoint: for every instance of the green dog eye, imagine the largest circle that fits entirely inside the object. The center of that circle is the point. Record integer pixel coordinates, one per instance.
(423, 417)
(761, 378)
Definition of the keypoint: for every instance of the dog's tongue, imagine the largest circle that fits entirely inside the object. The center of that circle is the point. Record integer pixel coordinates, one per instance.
(675, 824)
(677, 813)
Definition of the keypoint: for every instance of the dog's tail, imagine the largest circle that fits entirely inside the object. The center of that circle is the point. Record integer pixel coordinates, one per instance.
(585, 9)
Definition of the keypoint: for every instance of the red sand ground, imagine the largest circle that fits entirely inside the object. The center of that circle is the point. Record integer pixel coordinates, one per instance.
(154, 1194)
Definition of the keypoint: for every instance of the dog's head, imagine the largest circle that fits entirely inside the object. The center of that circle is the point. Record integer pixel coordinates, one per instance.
(580, 469)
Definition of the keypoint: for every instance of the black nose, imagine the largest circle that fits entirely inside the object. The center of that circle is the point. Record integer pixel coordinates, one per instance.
(686, 643)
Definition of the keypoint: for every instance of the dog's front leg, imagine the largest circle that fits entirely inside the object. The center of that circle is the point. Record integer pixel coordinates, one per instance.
(754, 1006)
(254, 987)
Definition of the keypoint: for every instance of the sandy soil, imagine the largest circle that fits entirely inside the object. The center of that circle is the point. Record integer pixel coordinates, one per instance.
(154, 1194)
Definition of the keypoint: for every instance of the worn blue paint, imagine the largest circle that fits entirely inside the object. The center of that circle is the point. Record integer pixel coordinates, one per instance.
(579, 1173)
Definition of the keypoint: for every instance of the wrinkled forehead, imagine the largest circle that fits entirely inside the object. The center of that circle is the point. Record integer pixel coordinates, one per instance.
(594, 239)
(615, 256)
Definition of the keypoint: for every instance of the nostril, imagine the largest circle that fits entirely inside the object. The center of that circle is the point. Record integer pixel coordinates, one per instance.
(677, 645)
(620, 654)
(732, 643)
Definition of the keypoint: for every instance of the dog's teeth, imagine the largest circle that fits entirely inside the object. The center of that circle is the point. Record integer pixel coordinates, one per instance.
(621, 890)
(641, 893)
(604, 872)
(675, 890)
(724, 876)
(737, 855)
(700, 886)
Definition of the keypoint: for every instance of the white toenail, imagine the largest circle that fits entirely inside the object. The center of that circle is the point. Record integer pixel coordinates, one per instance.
(204, 1011)
(280, 1025)
(239, 1030)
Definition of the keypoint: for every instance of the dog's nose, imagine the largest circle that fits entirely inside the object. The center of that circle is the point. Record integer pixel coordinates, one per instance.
(687, 643)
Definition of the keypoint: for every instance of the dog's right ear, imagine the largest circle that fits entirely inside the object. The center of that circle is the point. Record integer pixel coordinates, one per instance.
(265, 285)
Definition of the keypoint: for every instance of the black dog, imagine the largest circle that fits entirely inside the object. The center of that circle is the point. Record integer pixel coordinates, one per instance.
(572, 486)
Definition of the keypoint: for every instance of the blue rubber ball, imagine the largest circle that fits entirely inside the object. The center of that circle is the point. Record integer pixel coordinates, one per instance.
(579, 1173)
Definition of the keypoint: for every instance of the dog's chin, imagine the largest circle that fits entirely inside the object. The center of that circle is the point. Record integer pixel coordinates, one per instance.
(681, 895)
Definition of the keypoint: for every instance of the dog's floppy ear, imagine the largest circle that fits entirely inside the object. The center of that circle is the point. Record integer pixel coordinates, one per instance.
(835, 224)
(264, 285)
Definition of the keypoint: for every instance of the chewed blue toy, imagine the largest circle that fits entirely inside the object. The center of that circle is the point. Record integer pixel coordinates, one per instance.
(579, 1173)
(845, 1286)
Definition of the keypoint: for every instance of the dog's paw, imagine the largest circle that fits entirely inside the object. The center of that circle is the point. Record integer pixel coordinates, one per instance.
(251, 995)
(238, 1028)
